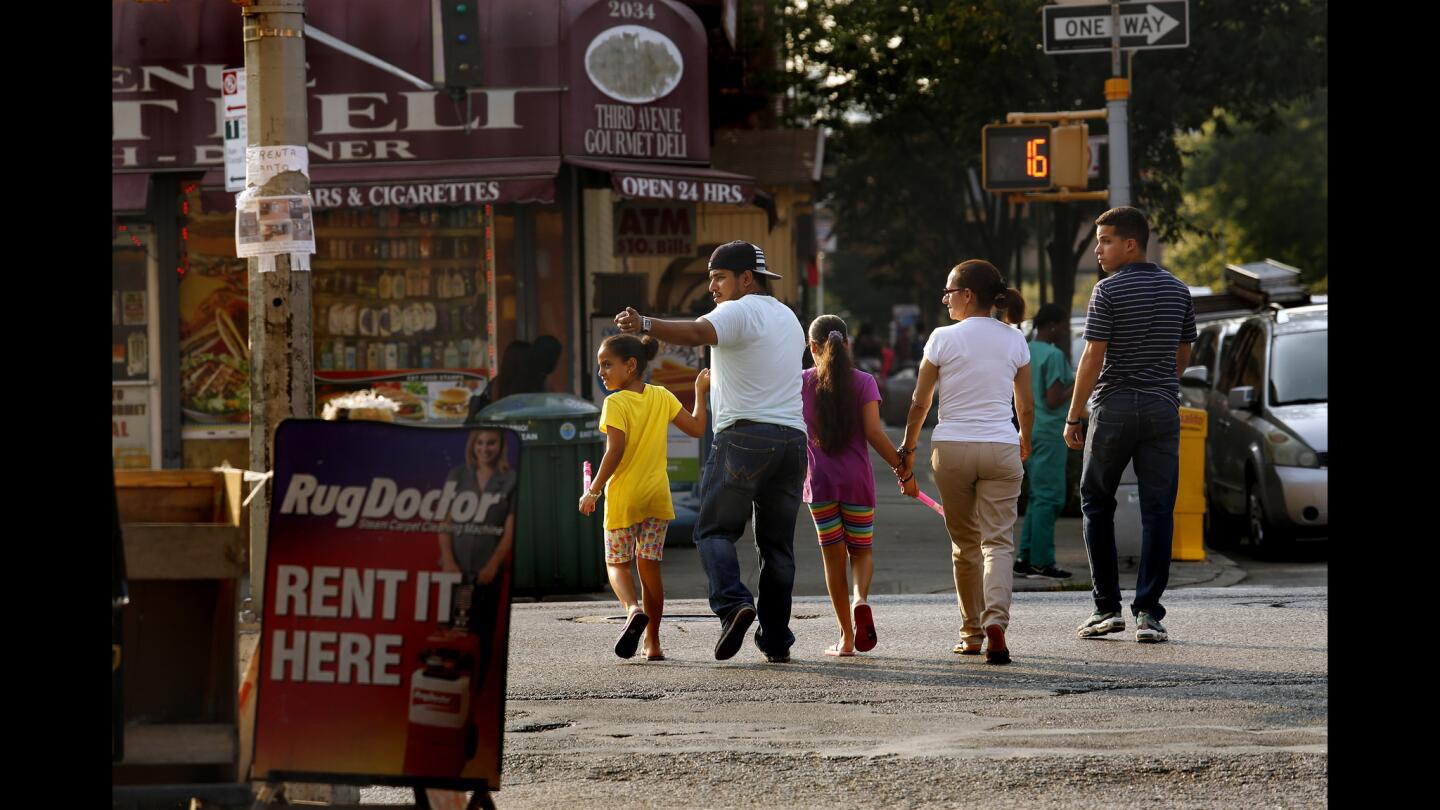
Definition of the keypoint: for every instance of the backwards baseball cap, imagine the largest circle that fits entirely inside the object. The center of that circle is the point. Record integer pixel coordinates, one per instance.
(739, 256)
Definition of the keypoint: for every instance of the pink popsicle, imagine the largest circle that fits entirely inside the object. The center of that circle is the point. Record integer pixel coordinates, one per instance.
(930, 502)
(586, 478)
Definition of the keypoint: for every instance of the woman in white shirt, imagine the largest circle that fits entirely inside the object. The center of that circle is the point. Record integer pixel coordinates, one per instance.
(980, 364)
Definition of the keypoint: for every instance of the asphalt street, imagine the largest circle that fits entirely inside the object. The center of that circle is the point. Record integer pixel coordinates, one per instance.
(1232, 710)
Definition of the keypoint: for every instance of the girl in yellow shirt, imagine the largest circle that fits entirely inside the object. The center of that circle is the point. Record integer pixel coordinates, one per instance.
(638, 509)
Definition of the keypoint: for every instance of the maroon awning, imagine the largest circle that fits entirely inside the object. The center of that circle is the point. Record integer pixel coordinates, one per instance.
(464, 182)
(128, 192)
(660, 181)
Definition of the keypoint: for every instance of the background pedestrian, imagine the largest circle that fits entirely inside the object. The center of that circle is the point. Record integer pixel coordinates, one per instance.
(1052, 381)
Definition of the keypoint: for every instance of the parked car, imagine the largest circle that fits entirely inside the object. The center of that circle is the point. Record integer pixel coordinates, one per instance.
(1266, 460)
(896, 396)
(1206, 353)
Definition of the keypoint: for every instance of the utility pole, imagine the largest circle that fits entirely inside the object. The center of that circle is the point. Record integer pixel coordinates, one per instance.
(1117, 94)
(282, 383)
(1040, 237)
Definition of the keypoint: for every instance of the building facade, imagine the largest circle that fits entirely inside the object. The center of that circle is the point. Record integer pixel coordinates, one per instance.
(448, 228)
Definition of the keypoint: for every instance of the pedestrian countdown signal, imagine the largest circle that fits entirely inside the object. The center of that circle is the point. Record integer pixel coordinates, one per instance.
(1036, 157)
(1016, 157)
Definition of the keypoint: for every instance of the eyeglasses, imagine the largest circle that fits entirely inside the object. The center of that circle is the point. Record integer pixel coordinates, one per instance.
(950, 291)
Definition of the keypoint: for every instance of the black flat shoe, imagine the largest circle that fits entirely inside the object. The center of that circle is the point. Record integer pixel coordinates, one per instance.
(629, 640)
(733, 634)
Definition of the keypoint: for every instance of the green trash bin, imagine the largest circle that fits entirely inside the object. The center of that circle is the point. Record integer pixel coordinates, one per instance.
(557, 549)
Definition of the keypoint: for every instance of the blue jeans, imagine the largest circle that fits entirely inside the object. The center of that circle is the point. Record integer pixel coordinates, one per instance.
(753, 467)
(1146, 428)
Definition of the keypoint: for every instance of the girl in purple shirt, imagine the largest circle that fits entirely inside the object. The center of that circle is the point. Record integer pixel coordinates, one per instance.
(842, 414)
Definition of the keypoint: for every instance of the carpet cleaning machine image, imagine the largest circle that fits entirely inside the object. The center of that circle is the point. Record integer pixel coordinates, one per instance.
(441, 735)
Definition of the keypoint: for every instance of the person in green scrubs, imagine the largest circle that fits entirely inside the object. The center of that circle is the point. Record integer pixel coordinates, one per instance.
(1053, 379)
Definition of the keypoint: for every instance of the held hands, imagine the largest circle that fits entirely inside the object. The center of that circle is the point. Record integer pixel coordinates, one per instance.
(910, 486)
(628, 321)
(907, 465)
(702, 382)
(905, 474)
(587, 503)
(1024, 447)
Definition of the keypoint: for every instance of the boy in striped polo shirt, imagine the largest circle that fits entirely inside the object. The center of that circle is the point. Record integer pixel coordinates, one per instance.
(1138, 331)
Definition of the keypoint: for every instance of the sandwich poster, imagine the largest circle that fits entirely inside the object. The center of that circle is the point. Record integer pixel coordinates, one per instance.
(386, 608)
(430, 398)
(214, 343)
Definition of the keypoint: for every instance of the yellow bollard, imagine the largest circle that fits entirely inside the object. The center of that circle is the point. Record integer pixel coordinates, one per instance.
(1189, 537)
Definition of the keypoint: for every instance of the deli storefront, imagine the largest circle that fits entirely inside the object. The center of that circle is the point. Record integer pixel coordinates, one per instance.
(451, 234)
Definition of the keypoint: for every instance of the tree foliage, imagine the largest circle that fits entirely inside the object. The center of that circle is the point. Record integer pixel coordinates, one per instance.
(906, 86)
(1255, 195)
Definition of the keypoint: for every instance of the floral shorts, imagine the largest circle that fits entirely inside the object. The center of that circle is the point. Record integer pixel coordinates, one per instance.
(646, 538)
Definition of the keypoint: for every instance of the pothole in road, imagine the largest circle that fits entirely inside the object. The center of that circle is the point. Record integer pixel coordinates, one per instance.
(677, 617)
(669, 617)
(530, 728)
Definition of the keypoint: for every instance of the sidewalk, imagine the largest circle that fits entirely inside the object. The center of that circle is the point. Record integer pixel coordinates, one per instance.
(912, 556)
(912, 551)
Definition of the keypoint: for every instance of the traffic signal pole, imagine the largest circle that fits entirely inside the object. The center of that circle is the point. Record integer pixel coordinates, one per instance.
(1117, 95)
(282, 383)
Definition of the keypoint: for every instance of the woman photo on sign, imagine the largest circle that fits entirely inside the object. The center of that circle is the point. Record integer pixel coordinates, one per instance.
(479, 548)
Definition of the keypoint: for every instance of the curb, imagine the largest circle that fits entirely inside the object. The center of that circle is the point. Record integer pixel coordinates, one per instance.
(1230, 572)
(1224, 573)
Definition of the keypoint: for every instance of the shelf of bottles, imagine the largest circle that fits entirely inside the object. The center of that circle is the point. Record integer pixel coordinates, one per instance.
(401, 290)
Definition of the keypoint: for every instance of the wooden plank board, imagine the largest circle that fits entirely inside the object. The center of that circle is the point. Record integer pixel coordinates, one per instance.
(184, 551)
(166, 478)
(167, 505)
(170, 496)
(180, 744)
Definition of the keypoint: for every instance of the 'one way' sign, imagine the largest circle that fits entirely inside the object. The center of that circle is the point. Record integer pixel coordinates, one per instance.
(1143, 25)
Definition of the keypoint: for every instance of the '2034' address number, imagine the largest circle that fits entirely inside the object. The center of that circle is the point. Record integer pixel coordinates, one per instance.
(632, 11)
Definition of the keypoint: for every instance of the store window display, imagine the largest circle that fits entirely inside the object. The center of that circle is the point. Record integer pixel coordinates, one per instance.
(402, 305)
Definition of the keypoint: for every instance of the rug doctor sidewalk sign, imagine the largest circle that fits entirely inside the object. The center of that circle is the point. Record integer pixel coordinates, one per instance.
(387, 605)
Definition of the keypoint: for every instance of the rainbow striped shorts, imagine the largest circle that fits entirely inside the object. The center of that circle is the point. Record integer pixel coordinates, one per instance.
(835, 521)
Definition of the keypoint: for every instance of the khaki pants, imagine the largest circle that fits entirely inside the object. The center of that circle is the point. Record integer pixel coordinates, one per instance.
(980, 483)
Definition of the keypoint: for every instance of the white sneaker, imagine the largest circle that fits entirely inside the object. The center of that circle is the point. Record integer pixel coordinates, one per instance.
(1100, 624)
(1149, 630)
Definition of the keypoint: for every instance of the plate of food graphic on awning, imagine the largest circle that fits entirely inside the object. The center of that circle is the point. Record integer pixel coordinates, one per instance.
(634, 64)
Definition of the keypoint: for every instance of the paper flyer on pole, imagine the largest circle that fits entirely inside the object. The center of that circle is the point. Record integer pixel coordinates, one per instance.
(267, 226)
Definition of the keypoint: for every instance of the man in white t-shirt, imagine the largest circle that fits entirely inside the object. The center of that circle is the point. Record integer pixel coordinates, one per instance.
(757, 463)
